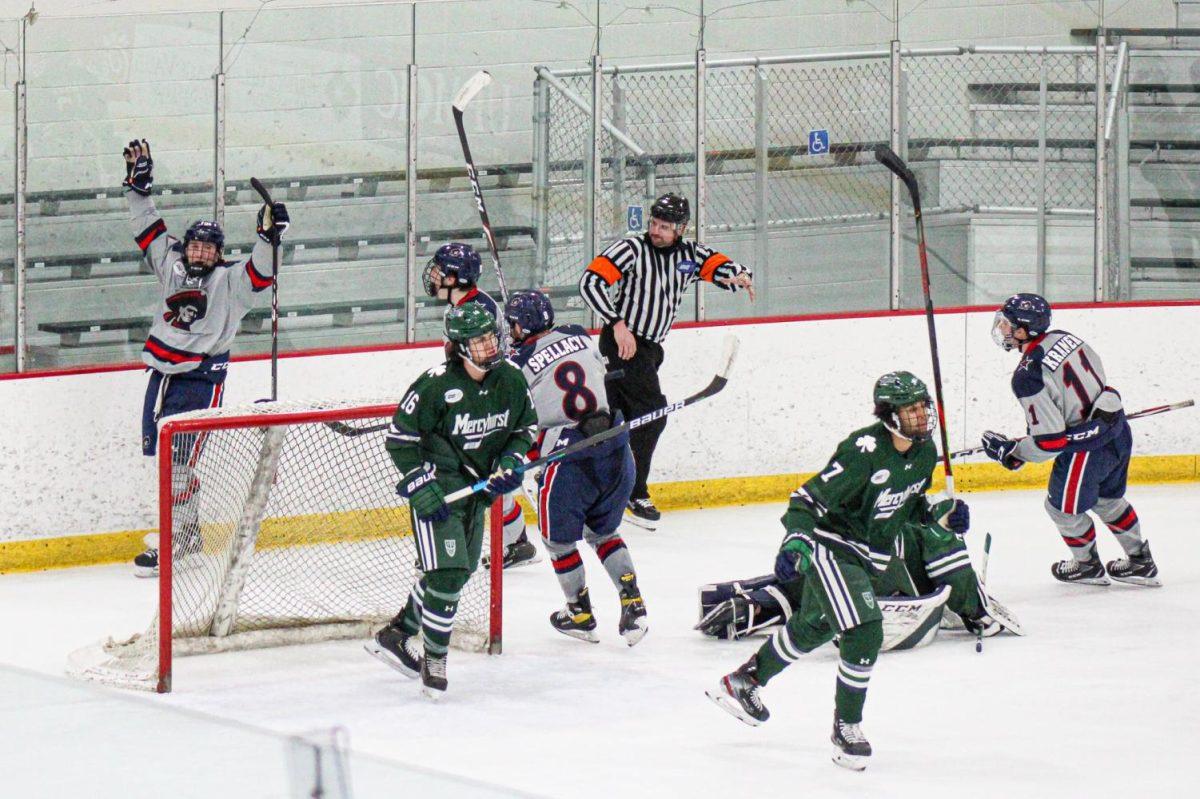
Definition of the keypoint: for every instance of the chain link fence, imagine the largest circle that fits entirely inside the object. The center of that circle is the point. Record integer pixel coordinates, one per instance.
(791, 185)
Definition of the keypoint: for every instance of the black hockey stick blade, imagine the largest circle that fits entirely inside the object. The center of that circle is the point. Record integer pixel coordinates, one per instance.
(715, 385)
(887, 156)
(350, 431)
(257, 185)
(1155, 411)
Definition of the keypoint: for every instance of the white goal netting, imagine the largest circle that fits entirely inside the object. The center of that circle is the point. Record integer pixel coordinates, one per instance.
(285, 528)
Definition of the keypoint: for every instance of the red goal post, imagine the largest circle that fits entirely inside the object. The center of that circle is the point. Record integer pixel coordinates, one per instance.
(279, 524)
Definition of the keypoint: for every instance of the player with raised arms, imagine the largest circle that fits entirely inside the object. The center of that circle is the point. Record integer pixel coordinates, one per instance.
(203, 298)
(452, 275)
(465, 419)
(843, 527)
(582, 497)
(1073, 416)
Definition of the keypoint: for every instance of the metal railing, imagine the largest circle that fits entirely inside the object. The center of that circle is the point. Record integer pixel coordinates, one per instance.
(775, 151)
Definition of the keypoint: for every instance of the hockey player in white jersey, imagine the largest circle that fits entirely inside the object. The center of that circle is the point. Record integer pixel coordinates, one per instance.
(202, 301)
(582, 496)
(1075, 417)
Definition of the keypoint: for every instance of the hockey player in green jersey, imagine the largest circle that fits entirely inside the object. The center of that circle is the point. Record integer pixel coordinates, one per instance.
(843, 526)
(468, 418)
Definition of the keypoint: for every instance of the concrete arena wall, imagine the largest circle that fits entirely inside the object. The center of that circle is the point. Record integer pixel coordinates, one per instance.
(71, 464)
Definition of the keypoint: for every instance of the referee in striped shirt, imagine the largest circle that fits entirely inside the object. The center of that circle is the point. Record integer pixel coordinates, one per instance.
(651, 274)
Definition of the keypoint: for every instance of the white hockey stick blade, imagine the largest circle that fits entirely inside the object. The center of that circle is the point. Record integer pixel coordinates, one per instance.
(472, 87)
(727, 355)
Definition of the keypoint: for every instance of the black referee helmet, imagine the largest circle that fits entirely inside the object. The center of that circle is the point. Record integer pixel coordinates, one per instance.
(671, 208)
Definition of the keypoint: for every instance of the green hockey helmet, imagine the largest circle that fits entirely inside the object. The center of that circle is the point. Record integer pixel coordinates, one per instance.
(903, 404)
(471, 333)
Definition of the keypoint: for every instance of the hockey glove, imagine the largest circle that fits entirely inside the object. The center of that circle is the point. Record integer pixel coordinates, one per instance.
(1000, 448)
(948, 513)
(424, 495)
(272, 219)
(794, 556)
(139, 167)
(506, 478)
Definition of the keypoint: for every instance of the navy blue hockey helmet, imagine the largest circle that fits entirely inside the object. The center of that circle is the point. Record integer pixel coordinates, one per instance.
(456, 260)
(1026, 311)
(531, 310)
(209, 233)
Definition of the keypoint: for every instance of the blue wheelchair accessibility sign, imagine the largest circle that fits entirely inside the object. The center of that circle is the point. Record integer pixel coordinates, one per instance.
(818, 142)
(635, 218)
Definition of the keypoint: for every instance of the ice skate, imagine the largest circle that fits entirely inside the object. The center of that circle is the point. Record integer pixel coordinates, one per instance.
(433, 676)
(851, 749)
(633, 626)
(1088, 572)
(521, 552)
(187, 542)
(737, 695)
(398, 649)
(642, 513)
(1139, 569)
(576, 620)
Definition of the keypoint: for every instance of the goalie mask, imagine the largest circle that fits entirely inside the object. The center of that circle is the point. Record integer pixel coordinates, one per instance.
(903, 404)
(471, 334)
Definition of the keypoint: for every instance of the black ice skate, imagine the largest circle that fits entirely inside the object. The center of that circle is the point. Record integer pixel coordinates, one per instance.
(851, 749)
(642, 513)
(576, 620)
(737, 695)
(633, 626)
(433, 676)
(1138, 569)
(398, 649)
(1087, 572)
(521, 552)
(186, 542)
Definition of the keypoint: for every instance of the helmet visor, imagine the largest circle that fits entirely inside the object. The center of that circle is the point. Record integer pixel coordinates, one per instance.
(1002, 332)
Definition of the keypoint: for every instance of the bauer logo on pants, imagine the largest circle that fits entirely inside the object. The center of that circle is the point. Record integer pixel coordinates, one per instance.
(451, 547)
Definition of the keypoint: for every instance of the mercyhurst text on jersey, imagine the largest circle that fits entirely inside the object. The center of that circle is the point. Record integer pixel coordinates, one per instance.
(460, 426)
(863, 498)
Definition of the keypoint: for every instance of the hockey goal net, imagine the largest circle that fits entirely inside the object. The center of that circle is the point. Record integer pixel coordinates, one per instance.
(278, 524)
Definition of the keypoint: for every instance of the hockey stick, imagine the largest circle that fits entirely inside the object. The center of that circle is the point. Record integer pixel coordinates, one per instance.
(886, 156)
(467, 93)
(1157, 409)
(266, 197)
(715, 385)
(350, 431)
(987, 551)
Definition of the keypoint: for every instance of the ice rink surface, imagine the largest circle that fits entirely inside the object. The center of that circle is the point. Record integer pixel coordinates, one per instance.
(1099, 699)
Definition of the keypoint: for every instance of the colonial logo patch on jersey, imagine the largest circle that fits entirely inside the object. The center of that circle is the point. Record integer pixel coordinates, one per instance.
(474, 430)
(185, 308)
(887, 503)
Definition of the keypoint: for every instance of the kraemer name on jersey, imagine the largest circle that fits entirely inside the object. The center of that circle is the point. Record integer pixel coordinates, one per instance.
(559, 349)
(1061, 349)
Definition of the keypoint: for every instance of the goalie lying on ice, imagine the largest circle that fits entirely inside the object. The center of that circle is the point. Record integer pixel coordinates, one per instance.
(930, 586)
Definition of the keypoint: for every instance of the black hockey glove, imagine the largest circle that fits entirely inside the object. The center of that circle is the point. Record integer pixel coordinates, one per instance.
(949, 514)
(1000, 448)
(424, 495)
(139, 167)
(506, 478)
(274, 218)
(793, 556)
